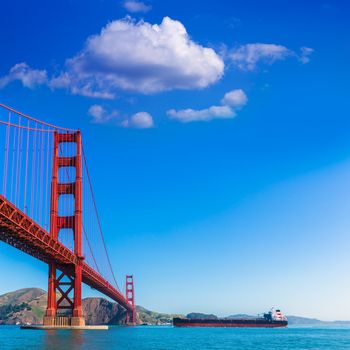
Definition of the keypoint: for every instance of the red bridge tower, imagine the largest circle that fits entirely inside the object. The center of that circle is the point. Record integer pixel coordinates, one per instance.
(66, 279)
(130, 297)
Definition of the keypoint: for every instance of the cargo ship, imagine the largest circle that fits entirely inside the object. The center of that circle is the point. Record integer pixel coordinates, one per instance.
(272, 319)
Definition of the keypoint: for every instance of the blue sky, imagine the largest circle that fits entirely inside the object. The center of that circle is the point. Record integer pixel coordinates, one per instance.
(216, 204)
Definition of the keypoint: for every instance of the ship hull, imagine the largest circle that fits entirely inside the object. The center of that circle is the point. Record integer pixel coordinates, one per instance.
(237, 323)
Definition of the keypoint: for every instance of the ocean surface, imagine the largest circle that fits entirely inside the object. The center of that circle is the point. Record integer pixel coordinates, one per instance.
(164, 338)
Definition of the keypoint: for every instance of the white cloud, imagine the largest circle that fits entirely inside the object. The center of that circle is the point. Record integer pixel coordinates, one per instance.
(232, 101)
(140, 120)
(247, 56)
(100, 115)
(65, 80)
(191, 115)
(29, 77)
(305, 54)
(141, 57)
(136, 6)
(235, 98)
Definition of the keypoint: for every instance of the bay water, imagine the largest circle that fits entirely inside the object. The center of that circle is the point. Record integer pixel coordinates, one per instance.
(169, 338)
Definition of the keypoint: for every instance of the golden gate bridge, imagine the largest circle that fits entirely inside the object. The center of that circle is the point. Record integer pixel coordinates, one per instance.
(48, 210)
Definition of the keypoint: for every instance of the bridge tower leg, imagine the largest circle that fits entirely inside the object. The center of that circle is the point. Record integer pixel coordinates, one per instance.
(66, 280)
(130, 297)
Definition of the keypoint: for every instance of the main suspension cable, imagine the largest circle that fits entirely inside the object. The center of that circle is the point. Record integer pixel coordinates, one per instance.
(98, 218)
(34, 119)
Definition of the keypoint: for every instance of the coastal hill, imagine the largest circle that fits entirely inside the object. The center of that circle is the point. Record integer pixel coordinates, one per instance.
(200, 315)
(28, 306)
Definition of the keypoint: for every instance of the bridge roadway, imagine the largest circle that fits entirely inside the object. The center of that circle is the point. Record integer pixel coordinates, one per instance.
(21, 232)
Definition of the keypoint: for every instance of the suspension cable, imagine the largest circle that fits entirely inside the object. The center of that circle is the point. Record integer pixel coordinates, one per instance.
(36, 120)
(98, 218)
(25, 127)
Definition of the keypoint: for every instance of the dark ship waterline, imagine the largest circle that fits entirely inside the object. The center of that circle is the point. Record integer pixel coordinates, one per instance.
(272, 319)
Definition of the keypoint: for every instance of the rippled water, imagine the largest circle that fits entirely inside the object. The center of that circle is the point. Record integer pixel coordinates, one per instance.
(164, 338)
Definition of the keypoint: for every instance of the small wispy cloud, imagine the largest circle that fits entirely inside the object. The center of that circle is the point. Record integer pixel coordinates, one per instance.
(28, 76)
(66, 81)
(207, 114)
(134, 6)
(235, 98)
(140, 120)
(231, 102)
(247, 57)
(305, 54)
(100, 115)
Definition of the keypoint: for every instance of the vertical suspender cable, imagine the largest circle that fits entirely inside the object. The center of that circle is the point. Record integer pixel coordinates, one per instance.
(6, 158)
(13, 164)
(41, 178)
(26, 172)
(32, 189)
(47, 181)
(17, 162)
(19, 165)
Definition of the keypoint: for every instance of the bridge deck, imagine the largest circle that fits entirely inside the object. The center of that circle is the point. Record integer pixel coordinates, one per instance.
(21, 232)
